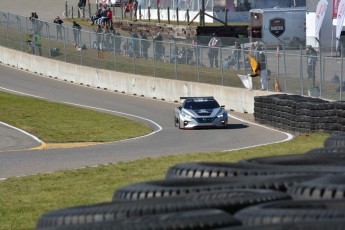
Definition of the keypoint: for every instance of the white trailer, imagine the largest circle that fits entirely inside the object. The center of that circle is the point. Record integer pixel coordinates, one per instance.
(275, 26)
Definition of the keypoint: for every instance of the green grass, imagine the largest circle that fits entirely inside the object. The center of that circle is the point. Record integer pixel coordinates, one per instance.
(58, 123)
(25, 199)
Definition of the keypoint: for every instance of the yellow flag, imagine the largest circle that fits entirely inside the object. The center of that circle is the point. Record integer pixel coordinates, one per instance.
(255, 65)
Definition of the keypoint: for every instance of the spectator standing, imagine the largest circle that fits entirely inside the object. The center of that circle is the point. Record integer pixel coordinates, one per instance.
(135, 45)
(145, 44)
(99, 33)
(311, 62)
(236, 53)
(31, 43)
(109, 21)
(135, 6)
(263, 70)
(106, 38)
(214, 46)
(258, 49)
(38, 43)
(117, 42)
(76, 33)
(252, 49)
(159, 49)
(197, 50)
(58, 23)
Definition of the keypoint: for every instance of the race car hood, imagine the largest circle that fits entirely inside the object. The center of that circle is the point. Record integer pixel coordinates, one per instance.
(203, 112)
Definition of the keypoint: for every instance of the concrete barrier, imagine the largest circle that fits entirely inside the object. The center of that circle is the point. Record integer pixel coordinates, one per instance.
(234, 99)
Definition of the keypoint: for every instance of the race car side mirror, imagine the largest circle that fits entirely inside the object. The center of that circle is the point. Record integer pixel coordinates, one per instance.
(180, 107)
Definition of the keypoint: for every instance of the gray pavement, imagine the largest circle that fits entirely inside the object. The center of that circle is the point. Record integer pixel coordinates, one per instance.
(12, 139)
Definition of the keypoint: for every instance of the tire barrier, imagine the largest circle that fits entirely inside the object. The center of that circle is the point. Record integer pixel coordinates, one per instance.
(324, 188)
(196, 219)
(297, 191)
(230, 201)
(300, 114)
(185, 186)
(246, 168)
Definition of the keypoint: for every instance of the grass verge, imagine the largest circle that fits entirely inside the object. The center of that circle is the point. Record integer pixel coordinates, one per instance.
(59, 123)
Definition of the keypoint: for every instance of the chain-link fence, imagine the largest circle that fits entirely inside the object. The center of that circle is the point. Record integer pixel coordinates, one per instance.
(188, 60)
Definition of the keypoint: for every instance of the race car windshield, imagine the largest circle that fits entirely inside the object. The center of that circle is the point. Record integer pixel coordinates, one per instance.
(201, 105)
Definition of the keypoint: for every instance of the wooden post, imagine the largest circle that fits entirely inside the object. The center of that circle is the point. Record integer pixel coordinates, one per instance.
(140, 12)
(226, 16)
(168, 9)
(72, 12)
(66, 9)
(187, 16)
(158, 15)
(177, 19)
(122, 11)
(149, 13)
(89, 5)
(203, 12)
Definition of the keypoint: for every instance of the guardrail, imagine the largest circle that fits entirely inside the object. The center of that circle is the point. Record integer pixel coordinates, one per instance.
(150, 55)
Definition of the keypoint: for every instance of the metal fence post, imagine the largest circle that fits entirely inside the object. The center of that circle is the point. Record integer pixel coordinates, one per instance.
(220, 61)
(175, 56)
(20, 32)
(154, 58)
(64, 44)
(81, 45)
(341, 71)
(66, 9)
(48, 36)
(301, 69)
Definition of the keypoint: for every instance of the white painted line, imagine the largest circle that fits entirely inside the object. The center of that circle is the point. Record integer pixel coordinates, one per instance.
(289, 135)
(26, 94)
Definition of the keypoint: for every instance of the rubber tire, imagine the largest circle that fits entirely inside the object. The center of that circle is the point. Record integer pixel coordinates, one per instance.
(305, 160)
(188, 220)
(229, 200)
(292, 211)
(335, 141)
(327, 150)
(185, 186)
(221, 169)
(335, 224)
(330, 187)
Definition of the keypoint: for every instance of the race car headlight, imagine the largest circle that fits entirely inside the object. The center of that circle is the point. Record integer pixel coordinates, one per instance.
(221, 115)
(186, 115)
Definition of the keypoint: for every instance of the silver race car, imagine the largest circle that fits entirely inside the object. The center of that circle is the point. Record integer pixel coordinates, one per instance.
(200, 112)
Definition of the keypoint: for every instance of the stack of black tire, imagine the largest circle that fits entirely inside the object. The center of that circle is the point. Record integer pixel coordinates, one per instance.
(298, 191)
(300, 114)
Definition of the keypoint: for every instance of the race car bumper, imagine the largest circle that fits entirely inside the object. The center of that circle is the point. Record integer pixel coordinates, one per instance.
(204, 122)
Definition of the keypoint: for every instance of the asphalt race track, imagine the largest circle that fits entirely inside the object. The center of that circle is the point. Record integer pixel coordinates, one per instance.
(166, 140)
